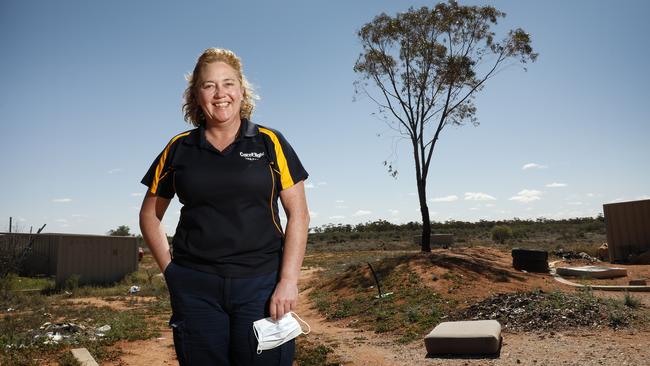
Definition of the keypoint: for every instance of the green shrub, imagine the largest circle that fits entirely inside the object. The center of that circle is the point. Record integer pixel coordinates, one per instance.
(501, 233)
(631, 301)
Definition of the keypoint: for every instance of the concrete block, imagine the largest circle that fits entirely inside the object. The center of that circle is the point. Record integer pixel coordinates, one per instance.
(84, 357)
(473, 337)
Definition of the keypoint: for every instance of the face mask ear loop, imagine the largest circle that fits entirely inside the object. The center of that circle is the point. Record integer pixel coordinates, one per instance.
(304, 322)
(259, 350)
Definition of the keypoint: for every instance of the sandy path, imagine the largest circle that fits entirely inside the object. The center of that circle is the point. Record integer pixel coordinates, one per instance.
(353, 346)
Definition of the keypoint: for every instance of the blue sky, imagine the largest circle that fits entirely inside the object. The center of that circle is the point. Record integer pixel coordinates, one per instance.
(90, 92)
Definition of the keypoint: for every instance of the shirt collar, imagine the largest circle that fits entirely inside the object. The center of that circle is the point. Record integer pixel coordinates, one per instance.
(246, 129)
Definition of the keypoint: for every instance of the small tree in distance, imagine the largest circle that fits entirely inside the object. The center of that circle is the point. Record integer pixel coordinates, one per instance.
(121, 230)
(501, 233)
(427, 65)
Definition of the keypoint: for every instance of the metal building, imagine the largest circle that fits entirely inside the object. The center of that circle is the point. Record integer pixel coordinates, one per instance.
(96, 259)
(628, 229)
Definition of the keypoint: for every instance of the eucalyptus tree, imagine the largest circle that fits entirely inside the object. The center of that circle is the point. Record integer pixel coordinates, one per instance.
(423, 69)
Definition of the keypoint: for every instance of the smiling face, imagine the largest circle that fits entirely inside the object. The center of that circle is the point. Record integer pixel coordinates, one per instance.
(219, 93)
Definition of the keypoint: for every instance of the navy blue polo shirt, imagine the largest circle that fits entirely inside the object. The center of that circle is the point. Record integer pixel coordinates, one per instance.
(229, 222)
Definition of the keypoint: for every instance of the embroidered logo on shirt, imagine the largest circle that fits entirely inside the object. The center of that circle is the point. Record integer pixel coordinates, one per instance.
(252, 156)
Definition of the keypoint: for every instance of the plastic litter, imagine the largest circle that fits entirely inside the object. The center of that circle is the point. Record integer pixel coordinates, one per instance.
(101, 331)
(134, 289)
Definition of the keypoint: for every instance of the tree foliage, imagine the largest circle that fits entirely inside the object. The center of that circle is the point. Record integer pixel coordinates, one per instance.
(121, 230)
(501, 233)
(427, 65)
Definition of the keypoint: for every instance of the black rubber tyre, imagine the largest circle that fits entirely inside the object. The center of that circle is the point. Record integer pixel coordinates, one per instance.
(530, 265)
(530, 254)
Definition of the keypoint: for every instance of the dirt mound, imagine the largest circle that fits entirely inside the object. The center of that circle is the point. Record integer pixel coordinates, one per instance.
(472, 274)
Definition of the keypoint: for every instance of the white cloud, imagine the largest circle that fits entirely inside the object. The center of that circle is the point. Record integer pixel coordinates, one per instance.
(61, 220)
(137, 194)
(62, 200)
(474, 208)
(527, 195)
(322, 183)
(393, 212)
(362, 213)
(336, 217)
(451, 198)
(113, 171)
(556, 185)
(340, 201)
(309, 185)
(533, 166)
(574, 203)
(644, 197)
(341, 207)
(79, 215)
(478, 196)
(412, 194)
(313, 214)
(489, 205)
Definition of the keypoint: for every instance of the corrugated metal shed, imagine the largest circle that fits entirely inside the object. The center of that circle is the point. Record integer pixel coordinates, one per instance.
(628, 229)
(95, 259)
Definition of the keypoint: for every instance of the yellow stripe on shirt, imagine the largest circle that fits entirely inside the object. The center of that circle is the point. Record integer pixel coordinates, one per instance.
(285, 175)
(161, 163)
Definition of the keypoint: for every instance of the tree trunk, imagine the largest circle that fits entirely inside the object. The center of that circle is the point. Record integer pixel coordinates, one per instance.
(426, 221)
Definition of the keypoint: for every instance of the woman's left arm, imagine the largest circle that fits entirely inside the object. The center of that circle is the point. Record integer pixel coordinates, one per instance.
(285, 296)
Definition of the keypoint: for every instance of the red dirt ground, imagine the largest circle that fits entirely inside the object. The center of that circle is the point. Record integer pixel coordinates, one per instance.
(467, 275)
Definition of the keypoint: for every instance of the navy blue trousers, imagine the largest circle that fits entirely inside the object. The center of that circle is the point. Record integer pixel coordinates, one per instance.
(212, 318)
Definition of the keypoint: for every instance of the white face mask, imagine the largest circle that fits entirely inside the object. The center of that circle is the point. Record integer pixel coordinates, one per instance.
(270, 333)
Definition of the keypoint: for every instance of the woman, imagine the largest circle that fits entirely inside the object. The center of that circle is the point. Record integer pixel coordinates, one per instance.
(231, 263)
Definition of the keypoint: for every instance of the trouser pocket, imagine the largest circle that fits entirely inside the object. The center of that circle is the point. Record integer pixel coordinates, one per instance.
(178, 331)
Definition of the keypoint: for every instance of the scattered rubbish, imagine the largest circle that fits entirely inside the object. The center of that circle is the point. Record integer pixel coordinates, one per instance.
(134, 289)
(54, 337)
(540, 311)
(603, 252)
(10, 310)
(383, 295)
(592, 271)
(101, 331)
(569, 255)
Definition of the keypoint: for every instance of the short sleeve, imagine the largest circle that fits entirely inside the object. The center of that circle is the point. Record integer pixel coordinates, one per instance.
(285, 159)
(159, 176)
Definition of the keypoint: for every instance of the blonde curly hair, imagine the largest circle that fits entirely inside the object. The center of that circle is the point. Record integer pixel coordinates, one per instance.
(191, 108)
